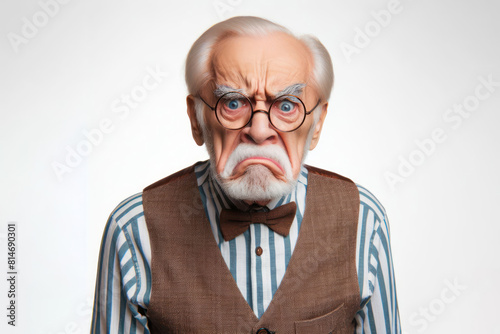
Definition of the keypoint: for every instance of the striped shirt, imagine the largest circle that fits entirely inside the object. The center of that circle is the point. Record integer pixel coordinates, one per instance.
(123, 286)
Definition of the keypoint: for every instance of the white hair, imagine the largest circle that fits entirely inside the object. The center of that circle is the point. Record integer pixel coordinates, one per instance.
(198, 71)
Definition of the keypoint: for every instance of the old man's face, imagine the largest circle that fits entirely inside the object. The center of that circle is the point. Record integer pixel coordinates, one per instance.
(261, 68)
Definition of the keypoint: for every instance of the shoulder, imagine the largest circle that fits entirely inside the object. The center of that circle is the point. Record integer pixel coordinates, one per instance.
(366, 198)
(191, 171)
(325, 182)
(372, 214)
(129, 214)
(127, 211)
(368, 201)
(126, 231)
(373, 222)
(325, 173)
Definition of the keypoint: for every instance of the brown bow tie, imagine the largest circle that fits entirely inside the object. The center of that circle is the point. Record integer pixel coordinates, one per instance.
(235, 222)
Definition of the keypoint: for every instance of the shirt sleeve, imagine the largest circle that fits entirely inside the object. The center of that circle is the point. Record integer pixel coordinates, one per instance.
(123, 284)
(379, 308)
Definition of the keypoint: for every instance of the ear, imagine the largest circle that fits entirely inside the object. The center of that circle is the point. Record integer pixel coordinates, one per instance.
(196, 130)
(318, 127)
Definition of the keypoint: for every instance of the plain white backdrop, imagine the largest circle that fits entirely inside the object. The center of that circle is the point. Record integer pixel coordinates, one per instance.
(408, 72)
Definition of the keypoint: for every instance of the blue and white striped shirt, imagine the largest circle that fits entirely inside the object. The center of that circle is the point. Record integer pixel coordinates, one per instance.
(123, 286)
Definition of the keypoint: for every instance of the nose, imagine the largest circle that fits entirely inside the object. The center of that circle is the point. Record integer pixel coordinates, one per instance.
(259, 131)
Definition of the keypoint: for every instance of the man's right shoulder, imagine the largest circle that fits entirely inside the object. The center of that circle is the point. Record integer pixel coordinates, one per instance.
(200, 165)
(128, 210)
(132, 207)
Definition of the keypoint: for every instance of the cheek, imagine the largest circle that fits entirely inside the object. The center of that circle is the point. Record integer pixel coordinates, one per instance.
(294, 143)
(225, 142)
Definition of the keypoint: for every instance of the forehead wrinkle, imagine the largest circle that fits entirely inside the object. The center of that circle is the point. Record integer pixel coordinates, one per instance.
(255, 78)
(259, 73)
(265, 79)
(237, 77)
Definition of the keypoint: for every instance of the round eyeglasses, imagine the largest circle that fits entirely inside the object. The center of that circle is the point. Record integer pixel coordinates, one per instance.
(234, 111)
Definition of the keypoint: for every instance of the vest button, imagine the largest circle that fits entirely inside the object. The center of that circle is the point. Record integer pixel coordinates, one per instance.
(259, 252)
(264, 330)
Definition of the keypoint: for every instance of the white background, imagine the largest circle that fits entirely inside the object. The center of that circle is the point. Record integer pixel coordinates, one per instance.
(64, 77)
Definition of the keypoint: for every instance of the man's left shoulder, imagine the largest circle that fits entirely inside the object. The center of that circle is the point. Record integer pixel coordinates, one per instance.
(367, 199)
(326, 173)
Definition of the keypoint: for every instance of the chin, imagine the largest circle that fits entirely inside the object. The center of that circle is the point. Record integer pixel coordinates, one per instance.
(258, 183)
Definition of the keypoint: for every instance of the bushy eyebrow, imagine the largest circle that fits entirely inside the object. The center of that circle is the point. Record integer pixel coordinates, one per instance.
(223, 89)
(295, 89)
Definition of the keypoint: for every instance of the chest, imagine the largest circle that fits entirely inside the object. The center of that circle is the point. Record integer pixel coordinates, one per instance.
(194, 289)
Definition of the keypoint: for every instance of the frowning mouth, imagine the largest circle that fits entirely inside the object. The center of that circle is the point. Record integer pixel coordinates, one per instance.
(277, 170)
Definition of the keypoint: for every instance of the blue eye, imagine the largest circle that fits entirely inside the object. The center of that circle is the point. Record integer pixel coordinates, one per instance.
(233, 104)
(286, 106)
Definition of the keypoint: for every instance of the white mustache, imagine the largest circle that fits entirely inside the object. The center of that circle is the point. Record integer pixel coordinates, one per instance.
(245, 151)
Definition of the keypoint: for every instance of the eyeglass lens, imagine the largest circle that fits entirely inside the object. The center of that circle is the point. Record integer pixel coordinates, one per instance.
(234, 111)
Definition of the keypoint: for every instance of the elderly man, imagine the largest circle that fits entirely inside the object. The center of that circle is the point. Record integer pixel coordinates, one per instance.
(251, 241)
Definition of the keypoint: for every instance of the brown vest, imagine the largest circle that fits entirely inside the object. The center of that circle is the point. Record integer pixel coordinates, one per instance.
(193, 290)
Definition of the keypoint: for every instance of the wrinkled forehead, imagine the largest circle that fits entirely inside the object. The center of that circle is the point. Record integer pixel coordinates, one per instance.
(261, 64)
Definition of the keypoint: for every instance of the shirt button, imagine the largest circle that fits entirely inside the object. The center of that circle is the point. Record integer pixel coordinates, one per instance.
(263, 331)
(259, 251)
